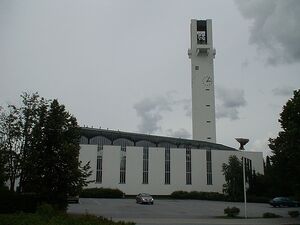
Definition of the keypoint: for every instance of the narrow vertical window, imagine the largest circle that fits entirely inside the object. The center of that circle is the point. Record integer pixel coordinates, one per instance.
(188, 163)
(208, 167)
(123, 165)
(99, 169)
(167, 165)
(99, 164)
(145, 164)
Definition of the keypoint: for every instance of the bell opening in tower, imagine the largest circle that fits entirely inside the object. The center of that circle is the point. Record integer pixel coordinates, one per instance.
(201, 32)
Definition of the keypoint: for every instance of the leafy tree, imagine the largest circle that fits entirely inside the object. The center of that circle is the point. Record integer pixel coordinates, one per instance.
(61, 173)
(41, 140)
(10, 129)
(233, 173)
(3, 175)
(33, 111)
(286, 149)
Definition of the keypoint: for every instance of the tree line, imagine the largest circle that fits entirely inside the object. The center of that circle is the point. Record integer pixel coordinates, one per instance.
(281, 170)
(39, 149)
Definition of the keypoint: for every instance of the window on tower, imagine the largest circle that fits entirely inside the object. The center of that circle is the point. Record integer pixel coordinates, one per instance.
(201, 32)
(201, 37)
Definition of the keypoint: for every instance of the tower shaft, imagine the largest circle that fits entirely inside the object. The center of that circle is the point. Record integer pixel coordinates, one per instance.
(202, 55)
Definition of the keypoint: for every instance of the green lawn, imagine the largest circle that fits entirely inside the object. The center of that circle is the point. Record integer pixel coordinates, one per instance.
(62, 219)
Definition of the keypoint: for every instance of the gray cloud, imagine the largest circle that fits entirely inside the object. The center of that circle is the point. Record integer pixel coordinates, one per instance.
(150, 110)
(275, 28)
(283, 91)
(229, 101)
(187, 106)
(181, 133)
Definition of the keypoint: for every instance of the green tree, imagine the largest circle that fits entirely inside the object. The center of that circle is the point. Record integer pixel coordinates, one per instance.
(41, 140)
(3, 174)
(286, 149)
(10, 129)
(33, 114)
(233, 173)
(60, 170)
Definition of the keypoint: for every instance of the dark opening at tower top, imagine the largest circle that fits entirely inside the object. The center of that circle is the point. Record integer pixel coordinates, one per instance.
(201, 32)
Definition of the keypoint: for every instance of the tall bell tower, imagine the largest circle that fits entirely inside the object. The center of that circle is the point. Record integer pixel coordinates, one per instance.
(202, 55)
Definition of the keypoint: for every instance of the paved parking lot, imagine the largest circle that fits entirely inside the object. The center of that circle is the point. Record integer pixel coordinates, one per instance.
(178, 211)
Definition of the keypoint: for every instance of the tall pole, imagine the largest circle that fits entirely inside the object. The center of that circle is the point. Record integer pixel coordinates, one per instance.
(242, 142)
(244, 181)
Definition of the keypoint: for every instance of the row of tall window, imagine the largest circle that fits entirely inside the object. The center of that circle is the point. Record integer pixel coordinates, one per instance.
(99, 164)
(167, 165)
(188, 163)
(145, 165)
(208, 168)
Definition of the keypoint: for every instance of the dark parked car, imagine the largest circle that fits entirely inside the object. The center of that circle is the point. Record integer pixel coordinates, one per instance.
(284, 201)
(144, 198)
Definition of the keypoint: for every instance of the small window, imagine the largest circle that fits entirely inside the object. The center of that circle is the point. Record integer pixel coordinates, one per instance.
(207, 89)
(208, 121)
(196, 67)
(208, 138)
(208, 105)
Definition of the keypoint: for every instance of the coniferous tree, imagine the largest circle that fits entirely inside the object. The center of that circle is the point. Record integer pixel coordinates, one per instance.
(233, 173)
(33, 111)
(10, 129)
(286, 149)
(41, 141)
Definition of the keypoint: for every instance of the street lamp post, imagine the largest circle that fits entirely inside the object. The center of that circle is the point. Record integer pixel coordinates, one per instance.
(243, 142)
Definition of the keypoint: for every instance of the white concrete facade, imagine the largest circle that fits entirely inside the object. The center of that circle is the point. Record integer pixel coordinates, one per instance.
(202, 55)
(161, 165)
(156, 174)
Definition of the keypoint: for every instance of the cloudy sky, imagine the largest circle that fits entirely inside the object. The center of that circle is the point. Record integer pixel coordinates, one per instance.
(124, 64)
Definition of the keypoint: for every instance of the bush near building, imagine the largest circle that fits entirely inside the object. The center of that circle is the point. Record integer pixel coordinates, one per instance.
(198, 195)
(101, 193)
(232, 212)
(11, 202)
(270, 215)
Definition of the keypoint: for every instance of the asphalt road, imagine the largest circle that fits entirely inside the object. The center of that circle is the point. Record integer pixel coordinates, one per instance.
(179, 211)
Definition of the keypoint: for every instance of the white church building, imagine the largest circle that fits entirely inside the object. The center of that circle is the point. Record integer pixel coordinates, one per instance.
(158, 165)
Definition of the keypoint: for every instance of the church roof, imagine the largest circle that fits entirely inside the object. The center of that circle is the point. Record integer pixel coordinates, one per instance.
(113, 135)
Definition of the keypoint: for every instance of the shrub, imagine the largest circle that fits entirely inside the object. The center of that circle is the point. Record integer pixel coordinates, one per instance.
(270, 215)
(46, 211)
(11, 202)
(179, 195)
(258, 199)
(101, 193)
(198, 195)
(231, 212)
(294, 214)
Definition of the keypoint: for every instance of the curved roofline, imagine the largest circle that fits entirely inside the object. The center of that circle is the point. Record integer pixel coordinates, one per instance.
(135, 137)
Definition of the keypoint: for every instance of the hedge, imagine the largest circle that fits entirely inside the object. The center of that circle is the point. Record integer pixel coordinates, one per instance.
(214, 196)
(101, 193)
(271, 215)
(232, 212)
(11, 202)
(198, 195)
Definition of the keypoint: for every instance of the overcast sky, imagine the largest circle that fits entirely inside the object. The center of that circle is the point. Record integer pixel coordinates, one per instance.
(124, 64)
